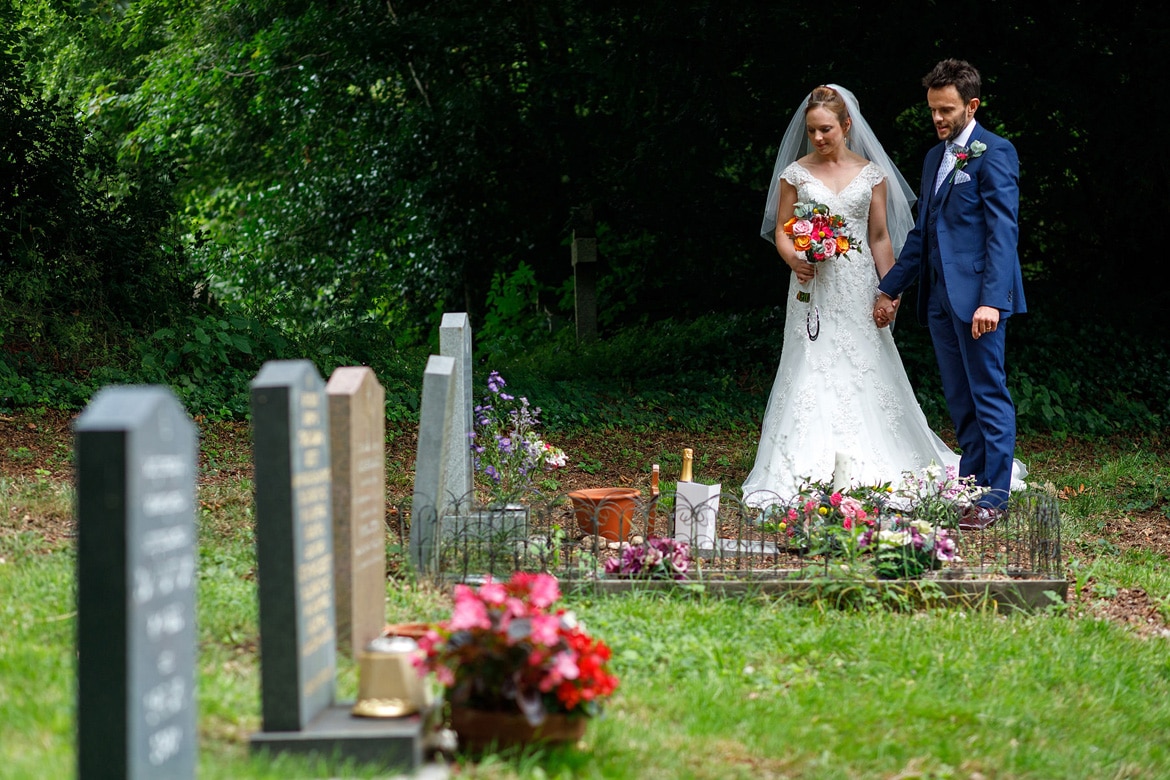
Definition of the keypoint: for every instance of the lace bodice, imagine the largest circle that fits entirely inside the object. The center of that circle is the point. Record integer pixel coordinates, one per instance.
(852, 203)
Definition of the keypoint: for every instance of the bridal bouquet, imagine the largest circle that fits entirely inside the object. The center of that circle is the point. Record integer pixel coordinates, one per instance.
(820, 234)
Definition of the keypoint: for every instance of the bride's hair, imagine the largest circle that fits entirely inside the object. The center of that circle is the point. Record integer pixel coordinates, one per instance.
(829, 99)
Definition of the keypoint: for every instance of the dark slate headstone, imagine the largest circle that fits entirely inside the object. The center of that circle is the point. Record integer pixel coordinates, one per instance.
(294, 543)
(135, 455)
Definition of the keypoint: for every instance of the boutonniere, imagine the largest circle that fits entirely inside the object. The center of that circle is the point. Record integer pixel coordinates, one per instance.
(964, 155)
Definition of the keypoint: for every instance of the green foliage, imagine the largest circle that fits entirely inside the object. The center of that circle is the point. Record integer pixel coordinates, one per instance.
(90, 255)
(1087, 377)
(347, 174)
(209, 360)
(513, 318)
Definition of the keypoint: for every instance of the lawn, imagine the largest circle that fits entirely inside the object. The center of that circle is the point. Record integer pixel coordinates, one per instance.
(750, 687)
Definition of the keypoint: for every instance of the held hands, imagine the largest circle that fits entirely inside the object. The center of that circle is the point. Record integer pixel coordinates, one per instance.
(885, 309)
(986, 320)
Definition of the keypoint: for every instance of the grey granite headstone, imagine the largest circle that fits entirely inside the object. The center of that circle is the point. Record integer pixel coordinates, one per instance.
(357, 436)
(135, 454)
(455, 343)
(429, 502)
(294, 545)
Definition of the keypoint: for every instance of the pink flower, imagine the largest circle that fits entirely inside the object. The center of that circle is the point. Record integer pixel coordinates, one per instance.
(469, 613)
(544, 591)
(802, 227)
(835, 500)
(564, 667)
(829, 246)
(429, 640)
(445, 676)
(543, 629)
(492, 592)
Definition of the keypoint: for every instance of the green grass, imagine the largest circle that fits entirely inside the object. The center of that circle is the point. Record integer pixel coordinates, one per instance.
(710, 688)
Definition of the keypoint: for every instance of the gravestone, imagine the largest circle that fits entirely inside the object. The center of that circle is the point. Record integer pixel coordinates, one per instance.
(455, 343)
(135, 455)
(294, 547)
(429, 503)
(357, 451)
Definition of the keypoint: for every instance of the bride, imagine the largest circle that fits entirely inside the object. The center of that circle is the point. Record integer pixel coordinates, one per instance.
(840, 389)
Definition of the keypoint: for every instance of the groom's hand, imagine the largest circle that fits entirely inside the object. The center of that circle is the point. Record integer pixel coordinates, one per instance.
(986, 320)
(884, 310)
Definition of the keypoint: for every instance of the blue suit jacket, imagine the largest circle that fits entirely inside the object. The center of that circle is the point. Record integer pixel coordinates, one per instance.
(978, 230)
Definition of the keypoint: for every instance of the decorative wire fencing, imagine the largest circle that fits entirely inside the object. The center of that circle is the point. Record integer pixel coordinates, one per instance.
(625, 534)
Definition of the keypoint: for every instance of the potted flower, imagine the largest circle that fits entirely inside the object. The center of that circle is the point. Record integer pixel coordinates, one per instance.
(508, 452)
(658, 558)
(508, 456)
(515, 667)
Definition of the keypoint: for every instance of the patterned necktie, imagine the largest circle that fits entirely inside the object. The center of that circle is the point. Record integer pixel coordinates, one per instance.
(948, 164)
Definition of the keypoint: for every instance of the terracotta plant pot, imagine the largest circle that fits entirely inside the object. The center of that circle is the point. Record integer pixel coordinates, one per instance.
(608, 512)
(412, 630)
(482, 729)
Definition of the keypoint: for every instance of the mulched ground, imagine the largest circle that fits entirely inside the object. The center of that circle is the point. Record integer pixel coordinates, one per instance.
(37, 444)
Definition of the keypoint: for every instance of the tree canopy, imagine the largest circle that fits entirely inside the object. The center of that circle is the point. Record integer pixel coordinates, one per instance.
(379, 162)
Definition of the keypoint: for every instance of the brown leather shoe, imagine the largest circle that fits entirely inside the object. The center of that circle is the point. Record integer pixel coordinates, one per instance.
(978, 518)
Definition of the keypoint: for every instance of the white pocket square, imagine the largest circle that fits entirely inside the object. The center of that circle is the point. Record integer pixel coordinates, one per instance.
(962, 176)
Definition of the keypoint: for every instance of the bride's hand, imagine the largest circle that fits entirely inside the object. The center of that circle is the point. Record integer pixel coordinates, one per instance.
(804, 270)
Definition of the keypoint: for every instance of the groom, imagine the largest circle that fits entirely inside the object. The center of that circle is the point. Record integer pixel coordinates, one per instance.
(963, 250)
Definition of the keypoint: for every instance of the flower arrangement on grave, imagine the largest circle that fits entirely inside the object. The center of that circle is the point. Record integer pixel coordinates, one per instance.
(658, 558)
(909, 549)
(906, 529)
(936, 494)
(508, 452)
(824, 520)
(507, 648)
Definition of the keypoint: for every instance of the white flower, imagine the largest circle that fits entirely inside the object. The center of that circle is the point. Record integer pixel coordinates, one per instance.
(923, 527)
(893, 538)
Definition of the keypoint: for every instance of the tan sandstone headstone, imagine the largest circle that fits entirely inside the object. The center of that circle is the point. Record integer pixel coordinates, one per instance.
(357, 428)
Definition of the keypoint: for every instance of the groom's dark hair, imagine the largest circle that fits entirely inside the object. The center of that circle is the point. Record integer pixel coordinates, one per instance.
(960, 74)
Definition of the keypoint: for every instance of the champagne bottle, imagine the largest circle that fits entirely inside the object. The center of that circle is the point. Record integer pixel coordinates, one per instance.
(688, 459)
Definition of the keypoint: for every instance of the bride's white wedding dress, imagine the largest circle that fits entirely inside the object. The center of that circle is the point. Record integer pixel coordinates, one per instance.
(847, 391)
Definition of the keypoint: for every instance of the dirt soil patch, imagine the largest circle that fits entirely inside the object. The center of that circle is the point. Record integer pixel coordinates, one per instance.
(37, 445)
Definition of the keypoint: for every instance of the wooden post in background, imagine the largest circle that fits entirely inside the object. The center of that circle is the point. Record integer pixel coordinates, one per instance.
(585, 273)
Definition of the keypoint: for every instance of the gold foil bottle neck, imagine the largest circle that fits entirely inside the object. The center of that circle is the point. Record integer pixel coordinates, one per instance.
(687, 465)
